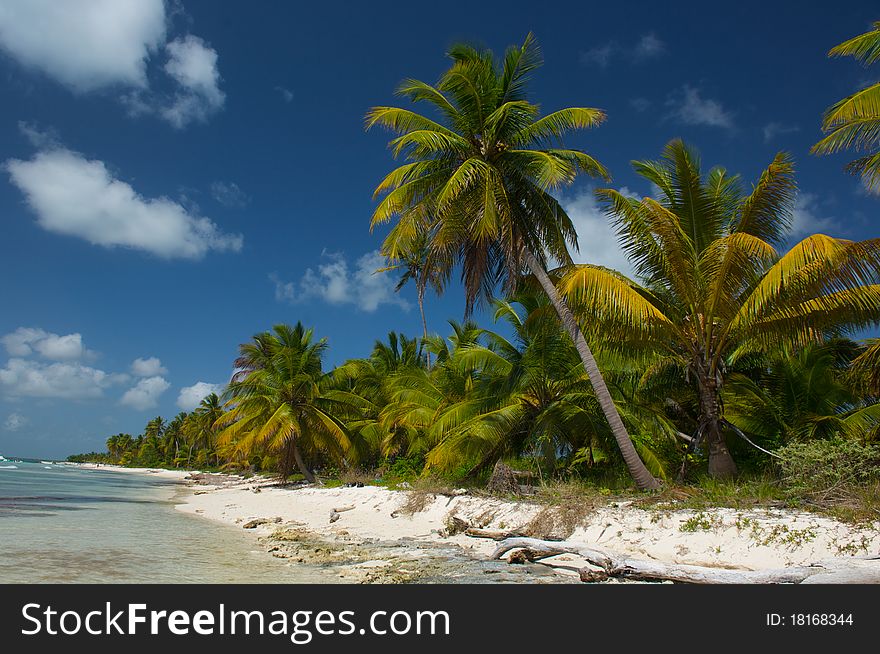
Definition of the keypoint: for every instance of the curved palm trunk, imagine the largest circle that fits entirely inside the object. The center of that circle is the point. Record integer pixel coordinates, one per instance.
(303, 468)
(644, 479)
(721, 464)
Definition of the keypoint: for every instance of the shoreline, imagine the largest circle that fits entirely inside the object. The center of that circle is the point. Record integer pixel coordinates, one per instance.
(373, 532)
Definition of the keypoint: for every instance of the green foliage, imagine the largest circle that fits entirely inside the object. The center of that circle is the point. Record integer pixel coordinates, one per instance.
(828, 471)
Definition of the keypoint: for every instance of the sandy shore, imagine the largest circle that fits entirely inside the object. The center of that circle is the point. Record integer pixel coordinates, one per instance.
(378, 535)
(295, 520)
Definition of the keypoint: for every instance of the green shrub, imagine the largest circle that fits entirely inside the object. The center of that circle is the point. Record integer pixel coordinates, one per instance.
(828, 471)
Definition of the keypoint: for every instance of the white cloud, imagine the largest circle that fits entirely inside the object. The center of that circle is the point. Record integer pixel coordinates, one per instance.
(229, 194)
(191, 396)
(690, 108)
(772, 130)
(806, 219)
(38, 137)
(15, 421)
(24, 341)
(145, 394)
(284, 291)
(287, 94)
(193, 65)
(599, 56)
(150, 367)
(84, 45)
(335, 283)
(78, 197)
(596, 235)
(72, 381)
(648, 47)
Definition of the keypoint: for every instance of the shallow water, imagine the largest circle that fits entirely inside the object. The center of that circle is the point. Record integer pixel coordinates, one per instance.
(65, 524)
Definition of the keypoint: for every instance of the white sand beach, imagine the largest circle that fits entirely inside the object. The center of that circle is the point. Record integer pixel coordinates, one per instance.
(374, 529)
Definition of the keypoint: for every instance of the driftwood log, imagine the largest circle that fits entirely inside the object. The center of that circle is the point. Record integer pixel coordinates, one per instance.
(607, 564)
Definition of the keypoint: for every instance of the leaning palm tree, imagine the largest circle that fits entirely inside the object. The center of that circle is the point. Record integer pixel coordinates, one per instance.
(476, 187)
(714, 290)
(854, 122)
(277, 401)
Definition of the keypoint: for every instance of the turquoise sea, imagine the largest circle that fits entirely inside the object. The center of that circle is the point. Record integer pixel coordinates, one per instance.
(61, 523)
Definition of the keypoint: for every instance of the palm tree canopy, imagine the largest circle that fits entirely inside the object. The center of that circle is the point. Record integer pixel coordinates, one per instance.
(476, 179)
(853, 123)
(712, 282)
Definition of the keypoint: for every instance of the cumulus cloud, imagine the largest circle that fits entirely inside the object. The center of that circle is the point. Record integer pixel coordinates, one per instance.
(75, 196)
(14, 422)
(772, 130)
(145, 394)
(229, 194)
(71, 381)
(93, 44)
(336, 283)
(24, 341)
(193, 65)
(150, 367)
(190, 397)
(84, 45)
(596, 235)
(806, 218)
(690, 108)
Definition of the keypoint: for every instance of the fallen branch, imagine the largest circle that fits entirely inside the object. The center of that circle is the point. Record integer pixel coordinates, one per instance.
(343, 509)
(494, 534)
(611, 565)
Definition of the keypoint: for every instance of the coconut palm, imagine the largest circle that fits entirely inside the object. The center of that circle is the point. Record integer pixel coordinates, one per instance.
(713, 288)
(414, 262)
(531, 397)
(803, 395)
(200, 430)
(476, 188)
(854, 122)
(277, 401)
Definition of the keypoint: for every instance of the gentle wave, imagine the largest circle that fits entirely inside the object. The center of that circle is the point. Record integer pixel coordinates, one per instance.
(8, 467)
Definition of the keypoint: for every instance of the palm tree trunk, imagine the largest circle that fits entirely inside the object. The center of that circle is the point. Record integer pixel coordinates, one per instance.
(721, 464)
(303, 468)
(640, 474)
(421, 297)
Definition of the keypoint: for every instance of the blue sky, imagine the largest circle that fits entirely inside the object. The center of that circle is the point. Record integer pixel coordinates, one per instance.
(176, 176)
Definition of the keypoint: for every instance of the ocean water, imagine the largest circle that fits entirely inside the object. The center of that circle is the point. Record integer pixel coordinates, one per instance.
(61, 523)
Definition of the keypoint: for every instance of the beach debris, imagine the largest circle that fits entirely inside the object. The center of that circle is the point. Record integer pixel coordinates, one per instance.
(256, 522)
(343, 509)
(256, 489)
(604, 565)
(493, 534)
(334, 516)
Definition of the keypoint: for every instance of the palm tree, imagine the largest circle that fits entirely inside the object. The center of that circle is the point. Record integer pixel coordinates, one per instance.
(803, 395)
(854, 122)
(531, 397)
(277, 401)
(414, 261)
(714, 290)
(866, 368)
(201, 426)
(476, 187)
